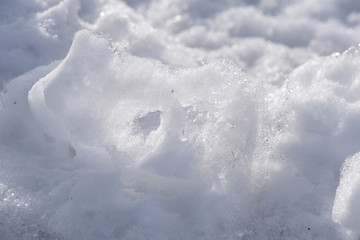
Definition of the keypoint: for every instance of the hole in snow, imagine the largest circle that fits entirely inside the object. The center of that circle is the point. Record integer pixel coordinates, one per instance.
(148, 123)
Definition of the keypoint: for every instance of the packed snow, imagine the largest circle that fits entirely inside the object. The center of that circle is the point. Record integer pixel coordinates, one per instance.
(179, 119)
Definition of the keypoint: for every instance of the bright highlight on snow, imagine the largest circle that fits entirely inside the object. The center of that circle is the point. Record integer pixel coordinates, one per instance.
(193, 119)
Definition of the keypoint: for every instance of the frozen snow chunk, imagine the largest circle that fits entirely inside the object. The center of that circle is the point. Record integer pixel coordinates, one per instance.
(346, 210)
(100, 97)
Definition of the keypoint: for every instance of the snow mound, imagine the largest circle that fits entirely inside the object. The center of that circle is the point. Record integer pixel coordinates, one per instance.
(156, 148)
(179, 119)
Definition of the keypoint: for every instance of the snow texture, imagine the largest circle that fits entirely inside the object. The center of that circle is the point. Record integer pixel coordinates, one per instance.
(191, 119)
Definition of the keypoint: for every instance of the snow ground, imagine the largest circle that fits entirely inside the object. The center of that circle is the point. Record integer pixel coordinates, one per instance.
(179, 119)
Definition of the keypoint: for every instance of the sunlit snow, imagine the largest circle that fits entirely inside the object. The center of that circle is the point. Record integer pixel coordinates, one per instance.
(179, 119)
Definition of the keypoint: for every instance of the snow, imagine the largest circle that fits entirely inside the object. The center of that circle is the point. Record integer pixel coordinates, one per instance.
(193, 119)
(346, 211)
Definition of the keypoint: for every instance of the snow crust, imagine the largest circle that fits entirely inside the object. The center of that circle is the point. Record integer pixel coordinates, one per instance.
(193, 119)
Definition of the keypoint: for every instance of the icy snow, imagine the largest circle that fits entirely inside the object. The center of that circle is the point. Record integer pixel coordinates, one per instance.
(195, 119)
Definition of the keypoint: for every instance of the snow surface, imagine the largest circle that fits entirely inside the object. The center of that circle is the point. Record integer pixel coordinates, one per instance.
(179, 119)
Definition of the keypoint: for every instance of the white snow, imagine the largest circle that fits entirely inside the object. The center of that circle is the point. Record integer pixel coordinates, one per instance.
(191, 119)
(346, 210)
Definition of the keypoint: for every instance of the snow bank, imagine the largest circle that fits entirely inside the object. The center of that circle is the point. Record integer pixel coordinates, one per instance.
(179, 120)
